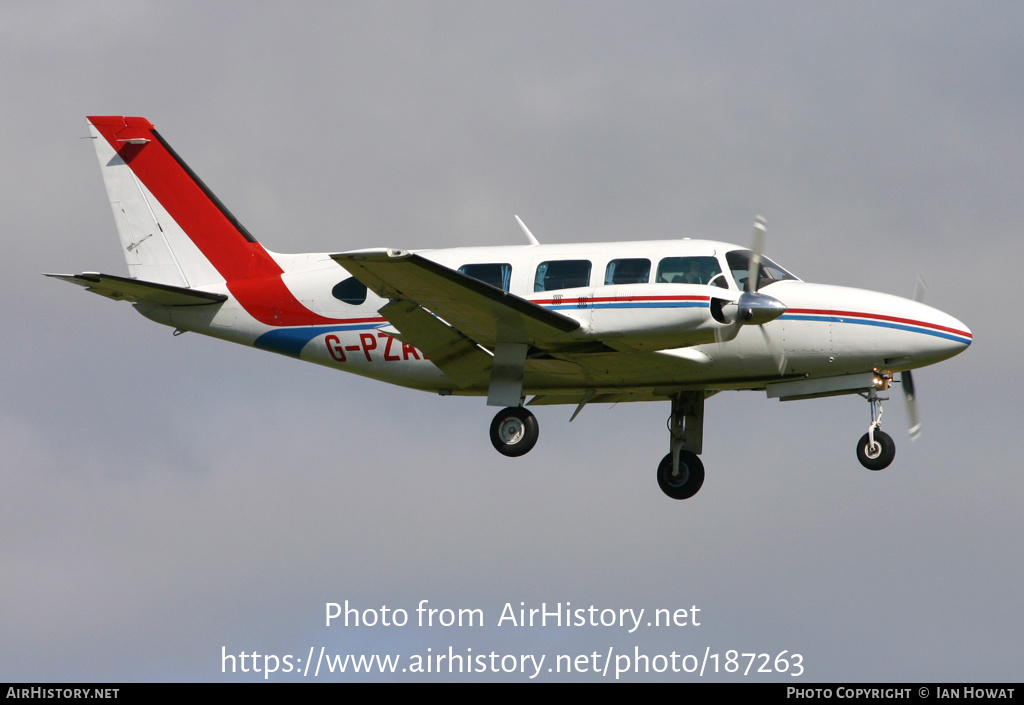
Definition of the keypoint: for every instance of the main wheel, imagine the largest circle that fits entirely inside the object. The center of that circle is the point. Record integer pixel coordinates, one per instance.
(687, 482)
(514, 431)
(879, 455)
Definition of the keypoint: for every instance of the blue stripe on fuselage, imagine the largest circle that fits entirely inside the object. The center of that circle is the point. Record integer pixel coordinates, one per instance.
(291, 341)
(633, 304)
(878, 324)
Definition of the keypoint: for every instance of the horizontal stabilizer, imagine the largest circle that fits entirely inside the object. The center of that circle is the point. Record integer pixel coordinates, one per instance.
(140, 292)
(471, 306)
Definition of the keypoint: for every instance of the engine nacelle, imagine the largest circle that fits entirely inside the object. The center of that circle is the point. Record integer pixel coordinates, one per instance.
(651, 316)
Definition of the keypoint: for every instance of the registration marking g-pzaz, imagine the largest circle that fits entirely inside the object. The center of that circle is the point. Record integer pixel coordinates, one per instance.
(368, 343)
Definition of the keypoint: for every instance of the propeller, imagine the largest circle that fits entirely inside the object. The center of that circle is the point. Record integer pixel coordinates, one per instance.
(907, 379)
(756, 250)
(752, 308)
(779, 355)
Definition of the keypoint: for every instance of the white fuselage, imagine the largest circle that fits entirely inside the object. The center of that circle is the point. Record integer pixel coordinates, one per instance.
(656, 335)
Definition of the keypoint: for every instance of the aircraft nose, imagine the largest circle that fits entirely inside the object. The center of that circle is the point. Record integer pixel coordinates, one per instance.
(946, 335)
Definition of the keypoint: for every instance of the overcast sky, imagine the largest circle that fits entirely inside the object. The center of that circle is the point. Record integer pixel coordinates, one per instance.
(165, 497)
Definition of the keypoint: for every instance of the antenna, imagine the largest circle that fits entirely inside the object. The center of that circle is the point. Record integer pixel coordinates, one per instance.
(526, 231)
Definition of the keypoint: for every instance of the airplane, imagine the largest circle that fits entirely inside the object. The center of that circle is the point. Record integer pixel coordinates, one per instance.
(573, 324)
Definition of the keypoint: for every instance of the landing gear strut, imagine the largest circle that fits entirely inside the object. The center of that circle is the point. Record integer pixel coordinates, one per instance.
(514, 431)
(876, 449)
(681, 473)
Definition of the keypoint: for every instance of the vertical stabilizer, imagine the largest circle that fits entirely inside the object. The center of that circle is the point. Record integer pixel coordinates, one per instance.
(173, 230)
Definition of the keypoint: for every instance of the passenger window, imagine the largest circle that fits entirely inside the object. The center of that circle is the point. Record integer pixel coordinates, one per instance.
(562, 274)
(628, 271)
(497, 275)
(351, 291)
(690, 270)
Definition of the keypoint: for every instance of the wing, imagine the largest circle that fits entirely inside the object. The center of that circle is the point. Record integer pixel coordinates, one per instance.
(485, 338)
(481, 312)
(140, 292)
(478, 335)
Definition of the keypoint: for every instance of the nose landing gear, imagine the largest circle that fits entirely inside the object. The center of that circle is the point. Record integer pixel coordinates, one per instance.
(876, 449)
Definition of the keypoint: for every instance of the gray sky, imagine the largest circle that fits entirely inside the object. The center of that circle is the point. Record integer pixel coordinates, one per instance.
(165, 497)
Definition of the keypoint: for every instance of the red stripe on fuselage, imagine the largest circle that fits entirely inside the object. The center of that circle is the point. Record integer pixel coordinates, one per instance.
(269, 301)
(252, 275)
(605, 299)
(880, 317)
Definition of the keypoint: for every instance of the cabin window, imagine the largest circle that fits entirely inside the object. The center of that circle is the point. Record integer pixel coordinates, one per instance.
(562, 274)
(768, 273)
(497, 275)
(628, 271)
(351, 291)
(691, 270)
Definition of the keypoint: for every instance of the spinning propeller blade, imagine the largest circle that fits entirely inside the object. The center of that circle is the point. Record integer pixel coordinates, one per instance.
(919, 288)
(753, 308)
(911, 398)
(778, 355)
(756, 250)
(907, 380)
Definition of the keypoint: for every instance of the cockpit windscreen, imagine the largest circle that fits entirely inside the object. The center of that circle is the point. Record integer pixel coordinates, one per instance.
(769, 272)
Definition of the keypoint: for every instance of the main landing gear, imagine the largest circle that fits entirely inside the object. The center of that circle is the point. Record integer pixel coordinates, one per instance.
(681, 473)
(875, 449)
(514, 432)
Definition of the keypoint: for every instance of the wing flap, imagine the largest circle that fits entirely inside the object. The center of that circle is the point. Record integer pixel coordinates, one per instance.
(140, 292)
(478, 310)
(455, 354)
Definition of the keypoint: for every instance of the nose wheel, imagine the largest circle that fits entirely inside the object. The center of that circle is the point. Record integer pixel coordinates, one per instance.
(514, 431)
(876, 453)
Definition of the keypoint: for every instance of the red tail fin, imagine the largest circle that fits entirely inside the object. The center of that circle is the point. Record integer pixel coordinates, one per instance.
(175, 231)
(208, 223)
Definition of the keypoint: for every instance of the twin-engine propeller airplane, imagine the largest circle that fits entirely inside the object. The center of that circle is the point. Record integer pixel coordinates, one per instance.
(673, 320)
